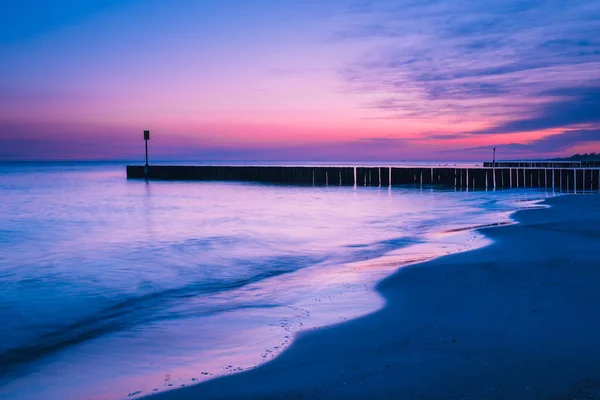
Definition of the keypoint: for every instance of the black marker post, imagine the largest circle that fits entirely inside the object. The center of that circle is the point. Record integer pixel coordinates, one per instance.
(146, 138)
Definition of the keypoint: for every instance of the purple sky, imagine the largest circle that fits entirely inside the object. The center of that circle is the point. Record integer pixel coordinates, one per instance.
(299, 79)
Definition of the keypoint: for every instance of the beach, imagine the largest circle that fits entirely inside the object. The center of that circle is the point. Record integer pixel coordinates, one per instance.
(516, 319)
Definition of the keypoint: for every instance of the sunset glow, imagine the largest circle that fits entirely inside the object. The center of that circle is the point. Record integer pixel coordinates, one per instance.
(299, 80)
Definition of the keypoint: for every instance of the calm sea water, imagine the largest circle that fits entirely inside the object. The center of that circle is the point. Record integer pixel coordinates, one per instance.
(114, 289)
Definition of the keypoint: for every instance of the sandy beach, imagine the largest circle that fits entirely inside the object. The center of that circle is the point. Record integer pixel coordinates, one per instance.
(515, 320)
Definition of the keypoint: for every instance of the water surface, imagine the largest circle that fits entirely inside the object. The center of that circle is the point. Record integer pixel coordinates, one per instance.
(113, 288)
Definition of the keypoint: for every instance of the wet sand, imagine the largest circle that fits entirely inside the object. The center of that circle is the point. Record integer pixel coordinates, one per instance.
(518, 319)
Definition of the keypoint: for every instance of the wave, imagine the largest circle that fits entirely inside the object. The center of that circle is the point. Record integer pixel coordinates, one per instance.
(143, 309)
(158, 305)
(477, 227)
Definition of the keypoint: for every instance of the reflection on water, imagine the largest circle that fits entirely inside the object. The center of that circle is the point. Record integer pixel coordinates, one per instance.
(111, 287)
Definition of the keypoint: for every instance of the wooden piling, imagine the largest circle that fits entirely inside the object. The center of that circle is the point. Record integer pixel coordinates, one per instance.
(557, 179)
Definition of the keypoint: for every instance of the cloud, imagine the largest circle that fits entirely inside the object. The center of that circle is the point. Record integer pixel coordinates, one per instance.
(531, 61)
(555, 144)
(572, 106)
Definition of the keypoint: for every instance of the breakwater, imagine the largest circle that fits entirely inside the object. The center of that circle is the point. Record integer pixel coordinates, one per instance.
(542, 164)
(558, 179)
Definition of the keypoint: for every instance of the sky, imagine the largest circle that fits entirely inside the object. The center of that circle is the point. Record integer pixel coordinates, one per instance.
(313, 80)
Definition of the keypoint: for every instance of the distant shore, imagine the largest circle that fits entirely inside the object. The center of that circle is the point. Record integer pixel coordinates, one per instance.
(514, 320)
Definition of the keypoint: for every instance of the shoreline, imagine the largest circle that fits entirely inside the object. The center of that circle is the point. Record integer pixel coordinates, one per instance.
(351, 297)
(358, 289)
(389, 229)
(486, 323)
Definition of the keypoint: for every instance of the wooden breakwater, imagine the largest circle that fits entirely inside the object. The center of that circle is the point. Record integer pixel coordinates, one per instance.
(557, 179)
(542, 164)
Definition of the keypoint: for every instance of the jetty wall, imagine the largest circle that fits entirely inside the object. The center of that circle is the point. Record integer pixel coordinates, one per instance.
(558, 179)
(542, 164)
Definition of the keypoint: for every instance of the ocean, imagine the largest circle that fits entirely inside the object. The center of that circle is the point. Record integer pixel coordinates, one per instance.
(113, 288)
